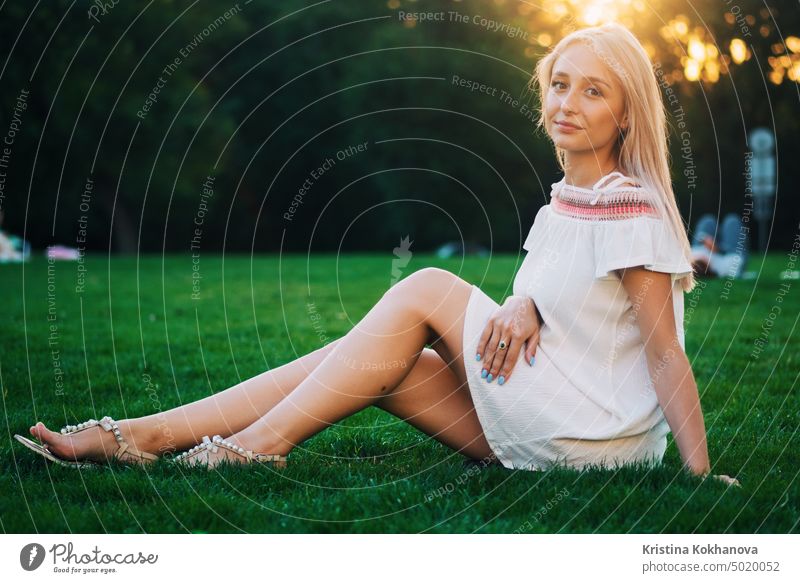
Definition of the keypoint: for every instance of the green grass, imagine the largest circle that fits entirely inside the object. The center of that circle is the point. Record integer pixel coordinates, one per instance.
(370, 473)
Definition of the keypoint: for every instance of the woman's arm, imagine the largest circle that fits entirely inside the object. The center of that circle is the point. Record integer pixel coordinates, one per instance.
(670, 371)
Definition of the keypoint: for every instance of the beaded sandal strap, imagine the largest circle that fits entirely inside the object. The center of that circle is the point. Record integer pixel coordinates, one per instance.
(109, 424)
(278, 460)
(213, 445)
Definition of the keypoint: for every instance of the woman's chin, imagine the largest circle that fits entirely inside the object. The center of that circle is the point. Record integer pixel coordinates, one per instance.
(567, 141)
(574, 145)
(570, 145)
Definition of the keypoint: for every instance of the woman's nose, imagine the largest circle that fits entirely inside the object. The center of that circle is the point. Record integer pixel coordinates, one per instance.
(566, 104)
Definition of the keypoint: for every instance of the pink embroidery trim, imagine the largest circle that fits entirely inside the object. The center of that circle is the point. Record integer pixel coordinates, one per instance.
(617, 204)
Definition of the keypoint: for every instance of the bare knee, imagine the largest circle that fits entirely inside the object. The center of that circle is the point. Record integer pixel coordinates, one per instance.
(422, 287)
(421, 279)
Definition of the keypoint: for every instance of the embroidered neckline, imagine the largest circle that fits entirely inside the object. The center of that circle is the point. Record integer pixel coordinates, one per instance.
(618, 201)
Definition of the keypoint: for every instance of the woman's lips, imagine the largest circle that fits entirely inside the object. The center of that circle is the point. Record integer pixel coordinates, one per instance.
(566, 127)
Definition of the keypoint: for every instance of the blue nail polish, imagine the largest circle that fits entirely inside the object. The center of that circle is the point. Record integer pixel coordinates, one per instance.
(532, 359)
(501, 379)
(489, 378)
(484, 372)
(477, 356)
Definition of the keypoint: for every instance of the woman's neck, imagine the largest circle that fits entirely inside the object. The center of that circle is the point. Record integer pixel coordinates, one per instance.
(583, 172)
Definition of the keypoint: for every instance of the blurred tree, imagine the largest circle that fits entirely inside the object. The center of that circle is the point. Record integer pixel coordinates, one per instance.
(260, 95)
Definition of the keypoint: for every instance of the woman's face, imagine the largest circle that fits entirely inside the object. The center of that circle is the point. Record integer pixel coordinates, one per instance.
(583, 92)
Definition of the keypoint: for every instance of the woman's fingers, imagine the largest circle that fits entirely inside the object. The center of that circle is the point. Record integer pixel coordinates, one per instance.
(530, 348)
(483, 342)
(496, 355)
(496, 368)
(728, 480)
(509, 360)
(491, 354)
(500, 363)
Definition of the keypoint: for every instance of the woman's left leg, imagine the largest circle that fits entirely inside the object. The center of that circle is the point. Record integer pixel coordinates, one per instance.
(370, 362)
(431, 399)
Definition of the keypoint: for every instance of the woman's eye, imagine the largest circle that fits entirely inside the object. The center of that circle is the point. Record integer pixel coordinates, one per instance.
(556, 84)
(596, 91)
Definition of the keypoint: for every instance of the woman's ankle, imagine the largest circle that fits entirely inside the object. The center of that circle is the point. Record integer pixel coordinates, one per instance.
(262, 444)
(145, 435)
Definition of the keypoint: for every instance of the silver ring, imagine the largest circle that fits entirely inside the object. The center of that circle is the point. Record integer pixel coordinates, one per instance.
(502, 345)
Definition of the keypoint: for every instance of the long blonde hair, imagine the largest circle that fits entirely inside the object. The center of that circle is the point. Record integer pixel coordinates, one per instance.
(642, 147)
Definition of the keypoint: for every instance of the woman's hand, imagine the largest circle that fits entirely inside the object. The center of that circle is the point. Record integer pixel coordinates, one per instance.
(728, 480)
(517, 323)
(723, 478)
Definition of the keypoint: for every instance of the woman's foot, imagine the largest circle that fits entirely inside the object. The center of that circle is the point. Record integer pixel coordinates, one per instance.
(95, 443)
(208, 458)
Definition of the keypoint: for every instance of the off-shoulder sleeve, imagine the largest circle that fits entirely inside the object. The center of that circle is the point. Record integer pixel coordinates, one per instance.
(531, 241)
(642, 240)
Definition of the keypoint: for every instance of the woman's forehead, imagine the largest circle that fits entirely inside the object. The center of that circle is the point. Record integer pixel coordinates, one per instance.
(579, 60)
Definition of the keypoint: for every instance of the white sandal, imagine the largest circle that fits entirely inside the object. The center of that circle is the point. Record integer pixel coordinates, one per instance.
(106, 423)
(199, 454)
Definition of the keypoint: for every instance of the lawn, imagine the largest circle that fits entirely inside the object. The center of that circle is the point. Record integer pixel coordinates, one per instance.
(132, 336)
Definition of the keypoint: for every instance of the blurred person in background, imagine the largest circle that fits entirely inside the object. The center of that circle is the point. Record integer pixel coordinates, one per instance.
(725, 256)
(10, 246)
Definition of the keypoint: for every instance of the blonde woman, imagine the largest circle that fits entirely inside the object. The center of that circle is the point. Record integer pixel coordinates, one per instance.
(588, 354)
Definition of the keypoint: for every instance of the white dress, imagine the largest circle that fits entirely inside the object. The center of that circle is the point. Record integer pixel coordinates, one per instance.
(589, 398)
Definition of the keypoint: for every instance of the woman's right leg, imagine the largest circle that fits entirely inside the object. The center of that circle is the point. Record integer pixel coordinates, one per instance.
(180, 428)
(228, 411)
